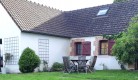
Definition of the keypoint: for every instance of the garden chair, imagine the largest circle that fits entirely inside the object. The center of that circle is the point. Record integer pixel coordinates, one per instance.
(92, 64)
(82, 64)
(66, 65)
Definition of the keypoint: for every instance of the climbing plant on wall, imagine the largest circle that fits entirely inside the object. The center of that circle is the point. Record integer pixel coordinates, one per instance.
(115, 36)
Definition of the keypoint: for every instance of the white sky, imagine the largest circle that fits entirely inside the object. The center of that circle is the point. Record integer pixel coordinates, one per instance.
(67, 5)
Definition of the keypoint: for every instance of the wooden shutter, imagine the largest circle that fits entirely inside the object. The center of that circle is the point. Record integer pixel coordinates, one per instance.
(110, 44)
(86, 48)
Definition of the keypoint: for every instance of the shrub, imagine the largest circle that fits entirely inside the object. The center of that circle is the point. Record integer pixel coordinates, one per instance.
(45, 63)
(57, 66)
(125, 48)
(8, 56)
(28, 61)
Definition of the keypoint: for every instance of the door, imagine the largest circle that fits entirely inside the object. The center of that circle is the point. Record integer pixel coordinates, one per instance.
(1, 61)
(136, 64)
(0, 64)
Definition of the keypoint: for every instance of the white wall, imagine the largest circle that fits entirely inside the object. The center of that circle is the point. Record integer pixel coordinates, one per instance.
(8, 29)
(109, 61)
(58, 47)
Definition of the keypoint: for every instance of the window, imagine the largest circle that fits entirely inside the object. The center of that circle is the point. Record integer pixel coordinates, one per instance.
(0, 41)
(78, 48)
(106, 46)
(83, 48)
(102, 11)
(103, 47)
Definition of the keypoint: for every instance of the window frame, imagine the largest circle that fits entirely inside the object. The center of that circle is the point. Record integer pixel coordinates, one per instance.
(76, 48)
(101, 10)
(102, 41)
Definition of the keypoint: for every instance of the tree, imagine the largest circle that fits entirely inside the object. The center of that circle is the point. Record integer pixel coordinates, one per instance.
(115, 1)
(126, 48)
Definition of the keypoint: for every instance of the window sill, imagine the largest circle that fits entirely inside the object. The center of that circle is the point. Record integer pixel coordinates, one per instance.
(82, 55)
(104, 56)
(78, 55)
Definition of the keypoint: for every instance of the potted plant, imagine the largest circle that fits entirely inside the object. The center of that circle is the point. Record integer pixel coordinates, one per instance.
(101, 66)
(6, 58)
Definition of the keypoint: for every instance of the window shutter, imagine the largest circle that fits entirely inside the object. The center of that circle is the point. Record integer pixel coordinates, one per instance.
(110, 44)
(86, 48)
(74, 53)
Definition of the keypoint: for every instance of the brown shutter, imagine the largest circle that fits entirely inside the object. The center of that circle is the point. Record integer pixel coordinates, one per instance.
(86, 48)
(110, 44)
(74, 53)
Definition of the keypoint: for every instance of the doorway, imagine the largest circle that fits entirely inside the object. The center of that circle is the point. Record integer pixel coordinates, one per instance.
(1, 58)
(136, 64)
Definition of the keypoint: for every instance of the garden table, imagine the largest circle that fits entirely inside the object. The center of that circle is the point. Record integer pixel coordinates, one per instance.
(77, 62)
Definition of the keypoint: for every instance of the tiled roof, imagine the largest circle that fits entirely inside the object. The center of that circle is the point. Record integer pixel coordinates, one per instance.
(85, 22)
(31, 17)
(36, 18)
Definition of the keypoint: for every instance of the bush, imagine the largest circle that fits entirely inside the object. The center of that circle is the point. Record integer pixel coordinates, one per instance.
(126, 48)
(45, 67)
(8, 56)
(28, 61)
(57, 66)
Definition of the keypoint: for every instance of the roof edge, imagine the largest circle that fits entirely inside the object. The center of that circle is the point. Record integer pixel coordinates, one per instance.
(10, 15)
(37, 3)
(65, 36)
(93, 35)
(45, 34)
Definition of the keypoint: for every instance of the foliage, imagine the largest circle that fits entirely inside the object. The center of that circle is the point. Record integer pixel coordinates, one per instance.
(45, 66)
(125, 48)
(115, 36)
(39, 69)
(8, 56)
(115, 1)
(45, 63)
(28, 61)
(57, 66)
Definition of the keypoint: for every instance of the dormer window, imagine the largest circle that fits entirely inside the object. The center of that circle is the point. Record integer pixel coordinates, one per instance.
(102, 11)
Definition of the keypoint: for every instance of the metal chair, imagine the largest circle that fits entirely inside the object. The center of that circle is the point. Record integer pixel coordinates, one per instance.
(82, 64)
(91, 66)
(66, 65)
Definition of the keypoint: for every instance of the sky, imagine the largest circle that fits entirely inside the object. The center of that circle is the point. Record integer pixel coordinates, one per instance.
(68, 5)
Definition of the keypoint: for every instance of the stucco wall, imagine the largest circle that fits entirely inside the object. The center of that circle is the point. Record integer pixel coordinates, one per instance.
(58, 47)
(8, 29)
(109, 61)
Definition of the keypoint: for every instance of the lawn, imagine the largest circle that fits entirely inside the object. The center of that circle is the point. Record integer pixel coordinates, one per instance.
(99, 75)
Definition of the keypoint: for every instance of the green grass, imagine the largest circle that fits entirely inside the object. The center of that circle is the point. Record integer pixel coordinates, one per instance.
(99, 75)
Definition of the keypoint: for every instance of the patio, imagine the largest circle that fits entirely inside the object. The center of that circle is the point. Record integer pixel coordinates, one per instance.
(99, 75)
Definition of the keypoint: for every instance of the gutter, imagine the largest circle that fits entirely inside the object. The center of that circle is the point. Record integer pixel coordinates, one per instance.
(65, 36)
(93, 35)
(45, 34)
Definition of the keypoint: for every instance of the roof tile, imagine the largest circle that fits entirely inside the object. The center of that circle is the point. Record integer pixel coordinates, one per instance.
(84, 22)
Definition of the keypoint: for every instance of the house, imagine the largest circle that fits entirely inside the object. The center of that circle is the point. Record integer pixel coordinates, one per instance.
(52, 33)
